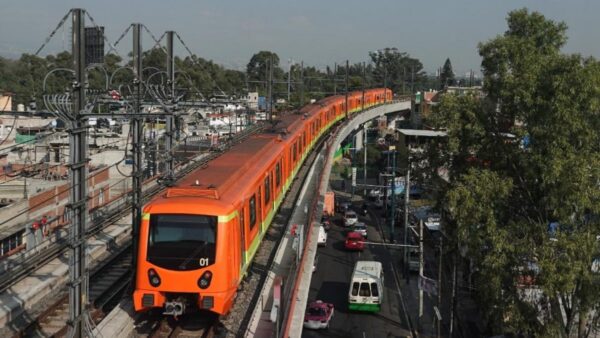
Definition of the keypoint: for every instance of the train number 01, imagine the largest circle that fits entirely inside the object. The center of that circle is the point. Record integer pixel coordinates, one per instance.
(203, 261)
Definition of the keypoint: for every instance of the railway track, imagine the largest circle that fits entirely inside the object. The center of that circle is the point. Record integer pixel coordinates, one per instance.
(106, 285)
(98, 223)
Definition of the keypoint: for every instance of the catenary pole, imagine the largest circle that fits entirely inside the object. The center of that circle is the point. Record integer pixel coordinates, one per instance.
(136, 193)
(169, 118)
(78, 272)
(406, 202)
(421, 267)
(347, 70)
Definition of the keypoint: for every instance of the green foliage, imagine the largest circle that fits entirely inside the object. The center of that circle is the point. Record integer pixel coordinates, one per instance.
(447, 75)
(502, 195)
(398, 69)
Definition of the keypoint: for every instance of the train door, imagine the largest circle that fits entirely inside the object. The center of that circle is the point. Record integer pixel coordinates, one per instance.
(243, 243)
(259, 206)
(278, 177)
(267, 195)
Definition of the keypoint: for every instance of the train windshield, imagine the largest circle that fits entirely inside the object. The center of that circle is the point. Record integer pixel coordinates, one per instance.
(182, 242)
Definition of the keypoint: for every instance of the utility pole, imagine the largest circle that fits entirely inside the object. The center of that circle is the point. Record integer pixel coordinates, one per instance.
(406, 202)
(136, 193)
(364, 79)
(364, 131)
(353, 183)
(393, 216)
(169, 118)
(270, 88)
(385, 192)
(439, 282)
(335, 78)
(289, 79)
(347, 70)
(78, 272)
(301, 83)
(365, 158)
(421, 268)
(384, 84)
(454, 258)
(268, 83)
(403, 80)
(412, 80)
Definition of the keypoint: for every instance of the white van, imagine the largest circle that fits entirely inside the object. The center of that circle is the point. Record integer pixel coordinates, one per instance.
(366, 287)
(322, 239)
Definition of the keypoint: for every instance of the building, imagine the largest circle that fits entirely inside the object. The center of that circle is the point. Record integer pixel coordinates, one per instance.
(6, 101)
(252, 100)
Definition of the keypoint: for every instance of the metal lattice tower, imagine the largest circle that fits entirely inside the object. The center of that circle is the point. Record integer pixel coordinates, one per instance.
(78, 272)
(136, 205)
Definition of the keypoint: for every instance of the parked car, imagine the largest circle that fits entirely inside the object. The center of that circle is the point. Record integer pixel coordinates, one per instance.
(354, 241)
(350, 218)
(318, 315)
(361, 228)
(322, 239)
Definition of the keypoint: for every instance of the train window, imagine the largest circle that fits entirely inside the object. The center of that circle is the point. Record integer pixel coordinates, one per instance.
(267, 190)
(182, 242)
(300, 144)
(304, 138)
(294, 151)
(252, 208)
(277, 174)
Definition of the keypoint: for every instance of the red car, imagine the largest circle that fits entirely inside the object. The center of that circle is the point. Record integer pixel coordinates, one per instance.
(318, 315)
(354, 241)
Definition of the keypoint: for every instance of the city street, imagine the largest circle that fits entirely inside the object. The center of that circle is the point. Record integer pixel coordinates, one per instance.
(330, 284)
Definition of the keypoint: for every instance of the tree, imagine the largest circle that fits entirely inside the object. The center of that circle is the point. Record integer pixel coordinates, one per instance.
(397, 69)
(257, 69)
(504, 192)
(447, 75)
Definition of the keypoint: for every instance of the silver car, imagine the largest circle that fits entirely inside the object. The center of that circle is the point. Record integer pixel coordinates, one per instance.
(361, 228)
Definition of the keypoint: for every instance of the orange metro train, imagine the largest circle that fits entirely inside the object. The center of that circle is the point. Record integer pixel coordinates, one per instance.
(197, 239)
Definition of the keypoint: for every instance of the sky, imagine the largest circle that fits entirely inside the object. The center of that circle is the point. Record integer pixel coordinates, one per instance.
(318, 32)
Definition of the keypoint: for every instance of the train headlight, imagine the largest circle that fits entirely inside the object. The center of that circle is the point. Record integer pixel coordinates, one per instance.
(204, 280)
(153, 278)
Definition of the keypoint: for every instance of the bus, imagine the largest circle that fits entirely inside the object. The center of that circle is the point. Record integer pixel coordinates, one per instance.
(366, 287)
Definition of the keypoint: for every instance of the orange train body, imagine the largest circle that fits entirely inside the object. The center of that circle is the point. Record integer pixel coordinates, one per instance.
(197, 240)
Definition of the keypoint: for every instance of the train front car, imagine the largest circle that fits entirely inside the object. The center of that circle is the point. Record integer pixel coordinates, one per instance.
(196, 240)
(178, 269)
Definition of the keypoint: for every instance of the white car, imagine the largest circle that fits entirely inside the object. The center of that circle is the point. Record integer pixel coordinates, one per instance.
(350, 218)
(322, 239)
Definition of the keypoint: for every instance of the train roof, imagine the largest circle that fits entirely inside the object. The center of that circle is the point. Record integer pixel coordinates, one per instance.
(220, 182)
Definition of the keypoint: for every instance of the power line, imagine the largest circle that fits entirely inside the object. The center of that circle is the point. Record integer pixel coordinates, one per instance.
(60, 23)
